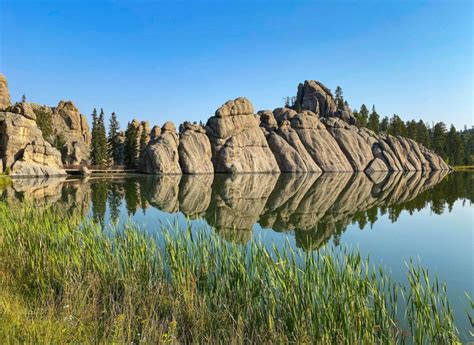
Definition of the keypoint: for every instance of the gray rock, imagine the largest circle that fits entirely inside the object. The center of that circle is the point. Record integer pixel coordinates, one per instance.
(161, 156)
(4, 93)
(237, 142)
(195, 155)
(319, 143)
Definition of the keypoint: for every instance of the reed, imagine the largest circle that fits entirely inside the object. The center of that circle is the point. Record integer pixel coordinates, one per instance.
(65, 280)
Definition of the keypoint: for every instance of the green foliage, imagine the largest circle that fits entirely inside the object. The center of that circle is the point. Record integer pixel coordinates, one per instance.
(59, 141)
(438, 139)
(45, 123)
(99, 145)
(131, 148)
(143, 140)
(397, 126)
(362, 116)
(95, 285)
(339, 98)
(374, 120)
(114, 152)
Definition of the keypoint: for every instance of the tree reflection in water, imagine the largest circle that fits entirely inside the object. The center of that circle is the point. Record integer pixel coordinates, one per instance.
(315, 207)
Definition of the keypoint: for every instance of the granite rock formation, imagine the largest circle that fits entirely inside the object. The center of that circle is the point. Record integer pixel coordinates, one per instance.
(4, 93)
(194, 150)
(237, 142)
(161, 155)
(23, 151)
(70, 127)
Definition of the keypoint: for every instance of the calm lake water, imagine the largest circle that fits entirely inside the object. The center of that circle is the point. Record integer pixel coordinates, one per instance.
(391, 217)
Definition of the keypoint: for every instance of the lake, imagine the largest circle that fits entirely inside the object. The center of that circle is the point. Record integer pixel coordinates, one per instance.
(391, 217)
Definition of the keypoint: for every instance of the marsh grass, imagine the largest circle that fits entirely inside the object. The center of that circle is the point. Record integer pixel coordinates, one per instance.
(68, 281)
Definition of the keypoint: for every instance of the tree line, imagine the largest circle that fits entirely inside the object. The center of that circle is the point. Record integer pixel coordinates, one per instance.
(115, 147)
(456, 147)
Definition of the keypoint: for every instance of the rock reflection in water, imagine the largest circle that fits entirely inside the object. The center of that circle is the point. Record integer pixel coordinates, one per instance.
(315, 207)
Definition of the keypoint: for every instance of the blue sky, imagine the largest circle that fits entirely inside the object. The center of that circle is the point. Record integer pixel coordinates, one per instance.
(179, 60)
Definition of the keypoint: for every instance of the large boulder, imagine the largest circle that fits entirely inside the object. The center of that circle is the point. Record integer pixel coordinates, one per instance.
(161, 155)
(70, 129)
(319, 143)
(24, 151)
(238, 144)
(4, 93)
(195, 155)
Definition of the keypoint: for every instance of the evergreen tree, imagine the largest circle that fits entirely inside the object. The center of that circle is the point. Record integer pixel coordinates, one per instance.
(362, 116)
(412, 130)
(23, 98)
(131, 147)
(339, 98)
(374, 120)
(113, 144)
(384, 124)
(438, 139)
(397, 126)
(94, 150)
(102, 151)
(423, 134)
(143, 140)
(454, 147)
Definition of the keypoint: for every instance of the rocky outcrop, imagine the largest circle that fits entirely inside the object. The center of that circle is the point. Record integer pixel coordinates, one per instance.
(23, 150)
(319, 143)
(356, 149)
(237, 142)
(194, 150)
(161, 155)
(69, 128)
(4, 93)
(290, 153)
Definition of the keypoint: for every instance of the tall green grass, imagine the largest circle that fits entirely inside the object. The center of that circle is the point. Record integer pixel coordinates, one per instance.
(65, 282)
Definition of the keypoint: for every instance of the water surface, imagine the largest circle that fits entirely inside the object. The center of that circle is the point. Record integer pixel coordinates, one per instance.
(391, 217)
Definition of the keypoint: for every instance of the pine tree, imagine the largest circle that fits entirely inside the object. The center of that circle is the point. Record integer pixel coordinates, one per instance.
(363, 116)
(102, 151)
(423, 134)
(412, 130)
(113, 144)
(374, 120)
(384, 124)
(454, 147)
(131, 147)
(397, 126)
(339, 98)
(23, 98)
(94, 150)
(143, 140)
(438, 139)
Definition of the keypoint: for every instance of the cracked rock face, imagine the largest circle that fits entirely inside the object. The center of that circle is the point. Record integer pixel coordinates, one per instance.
(4, 93)
(23, 149)
(237, 142)
(161, 155)
(195, 155)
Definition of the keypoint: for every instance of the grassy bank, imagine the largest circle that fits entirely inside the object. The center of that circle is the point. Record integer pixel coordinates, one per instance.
(61, 284)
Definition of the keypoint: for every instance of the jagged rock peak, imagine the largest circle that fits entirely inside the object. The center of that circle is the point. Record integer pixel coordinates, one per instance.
(4, 93)
(314, 96)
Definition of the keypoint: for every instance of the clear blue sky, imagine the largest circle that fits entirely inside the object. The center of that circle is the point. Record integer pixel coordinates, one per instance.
(180, 60)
